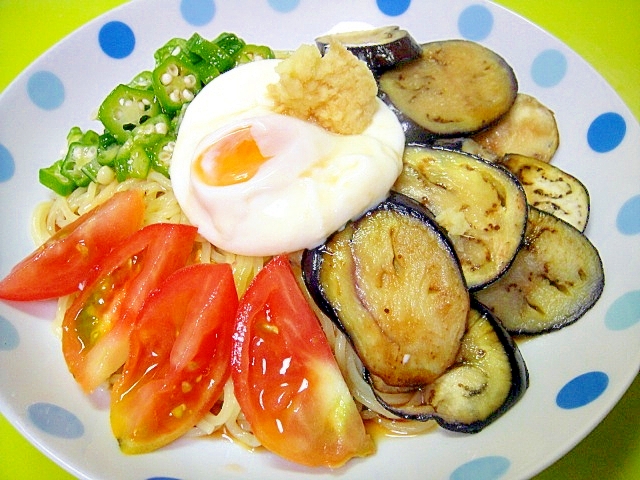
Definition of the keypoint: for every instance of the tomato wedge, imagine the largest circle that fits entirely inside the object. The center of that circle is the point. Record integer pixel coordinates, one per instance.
(96, 327)
(179, 358)
(286, 379)
(62, 264)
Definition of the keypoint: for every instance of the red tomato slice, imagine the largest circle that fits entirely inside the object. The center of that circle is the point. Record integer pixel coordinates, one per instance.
(179, 358)
(96, 327)
(62, 264)
(286, 379)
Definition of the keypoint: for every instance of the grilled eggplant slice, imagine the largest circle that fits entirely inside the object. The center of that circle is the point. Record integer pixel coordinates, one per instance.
(529, 128)
(551, 189)
(481, 205)
(466, 145)
(456, 88)
(488, 377)
(380, 48)
(555, 278)
(392, 283)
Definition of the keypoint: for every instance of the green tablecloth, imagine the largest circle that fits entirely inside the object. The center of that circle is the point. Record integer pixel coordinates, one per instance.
(605, 33)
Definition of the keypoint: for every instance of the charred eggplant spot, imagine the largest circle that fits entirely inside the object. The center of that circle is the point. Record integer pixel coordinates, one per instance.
(487, 378)
(555, 278)
(456, 88)
(550, 189)
(481, 206)
(392, 282)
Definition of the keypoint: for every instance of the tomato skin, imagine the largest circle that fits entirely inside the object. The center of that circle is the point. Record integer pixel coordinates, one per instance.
(96, 327)
(62, 264)
(179, 359)
(286, 379)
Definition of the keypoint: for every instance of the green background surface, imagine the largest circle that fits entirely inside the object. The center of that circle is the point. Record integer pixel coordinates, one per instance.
(606, 33)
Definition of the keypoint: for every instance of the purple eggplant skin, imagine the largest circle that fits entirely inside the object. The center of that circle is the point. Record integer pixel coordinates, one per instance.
(519, 384)
(456, 88)
(510, 216)
(381, 48)
(312, 258)
(413, 133)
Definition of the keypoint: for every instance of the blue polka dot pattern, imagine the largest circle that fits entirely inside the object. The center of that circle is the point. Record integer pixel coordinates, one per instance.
(393, 7)
(628, 220)
(197, 12)
(549, 68)
(55, 420)
(624, 312)
(9, 337)
(483, 468)
(475, 22)
(284, 6)
(582, 390)
(117, 39)
(606, 132)
(45, 90)
(7, 165)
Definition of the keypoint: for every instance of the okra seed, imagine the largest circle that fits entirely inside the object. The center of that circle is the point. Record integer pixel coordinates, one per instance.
(105, 175)
(187, 95)
(161, 128)
(174, 96)
(173, 70)
(165, 79)
(190, 81)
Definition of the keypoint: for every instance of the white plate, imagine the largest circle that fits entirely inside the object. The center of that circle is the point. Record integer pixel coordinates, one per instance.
(577, 374)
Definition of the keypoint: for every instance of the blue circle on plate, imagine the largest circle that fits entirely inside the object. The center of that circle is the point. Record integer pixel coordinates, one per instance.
(7, 165)
(549, 68)
(9, 336)
(582, 390)
(55, 420)
(475, 22)
(483, 468)
(606, 132)
(117, 39)
(624, 312)
(284, 6)
(628, 220)
(197, 12)
(393, 7)
(45, 90)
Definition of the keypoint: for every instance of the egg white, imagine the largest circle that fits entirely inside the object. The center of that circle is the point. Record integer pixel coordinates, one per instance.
(314, 182)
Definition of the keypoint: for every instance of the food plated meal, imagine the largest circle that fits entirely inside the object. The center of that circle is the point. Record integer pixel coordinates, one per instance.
(525, 356)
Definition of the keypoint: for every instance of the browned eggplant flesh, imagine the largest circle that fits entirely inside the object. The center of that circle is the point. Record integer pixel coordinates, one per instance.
(380, 48)
(529, 128)
(551, 189)
(465, 145)
(487, 378)
(481, 205)
(392, 282)
(455, 88)
(555, 278)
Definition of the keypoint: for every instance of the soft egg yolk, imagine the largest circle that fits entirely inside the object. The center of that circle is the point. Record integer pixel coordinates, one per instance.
(232, 159)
